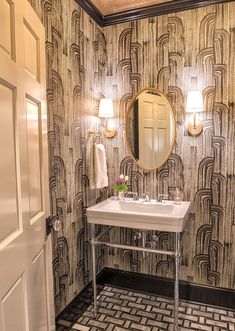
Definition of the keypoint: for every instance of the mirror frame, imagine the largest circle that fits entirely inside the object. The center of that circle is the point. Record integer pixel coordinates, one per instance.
(174, 129)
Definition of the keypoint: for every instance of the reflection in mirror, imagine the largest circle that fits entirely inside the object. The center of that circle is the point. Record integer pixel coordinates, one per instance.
(150, 129)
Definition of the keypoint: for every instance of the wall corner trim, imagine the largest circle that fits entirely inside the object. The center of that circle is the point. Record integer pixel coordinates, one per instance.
(92, 11)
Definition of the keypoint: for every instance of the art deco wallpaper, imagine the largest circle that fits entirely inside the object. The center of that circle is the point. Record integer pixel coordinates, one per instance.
(177, 53)
(174, 53)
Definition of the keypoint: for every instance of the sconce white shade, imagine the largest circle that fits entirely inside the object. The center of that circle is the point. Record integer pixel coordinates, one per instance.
(106, 108)
(194, 102)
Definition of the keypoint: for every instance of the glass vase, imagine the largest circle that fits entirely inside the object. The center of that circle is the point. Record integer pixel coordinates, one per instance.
(120, 195)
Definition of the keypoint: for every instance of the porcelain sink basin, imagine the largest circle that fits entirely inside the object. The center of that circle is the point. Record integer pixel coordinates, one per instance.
(160, 216)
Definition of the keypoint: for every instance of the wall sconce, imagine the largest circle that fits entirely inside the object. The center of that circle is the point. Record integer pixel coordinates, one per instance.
(194, 105)
(106, 110)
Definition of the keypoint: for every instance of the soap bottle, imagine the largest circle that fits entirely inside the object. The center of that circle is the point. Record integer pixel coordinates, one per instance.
(178, 196)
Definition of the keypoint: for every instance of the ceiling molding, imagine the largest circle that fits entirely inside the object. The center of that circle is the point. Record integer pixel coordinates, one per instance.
(145, 12)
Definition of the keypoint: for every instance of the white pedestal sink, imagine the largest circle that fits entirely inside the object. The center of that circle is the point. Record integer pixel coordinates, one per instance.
(160, 216)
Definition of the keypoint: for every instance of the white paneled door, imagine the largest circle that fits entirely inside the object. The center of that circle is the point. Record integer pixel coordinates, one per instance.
(25, 251)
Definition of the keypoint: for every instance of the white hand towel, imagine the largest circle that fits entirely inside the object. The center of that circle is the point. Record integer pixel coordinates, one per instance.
(100, 165)
(90, 162)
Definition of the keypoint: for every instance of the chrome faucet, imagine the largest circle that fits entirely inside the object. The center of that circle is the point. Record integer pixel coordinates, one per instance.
(134, 194)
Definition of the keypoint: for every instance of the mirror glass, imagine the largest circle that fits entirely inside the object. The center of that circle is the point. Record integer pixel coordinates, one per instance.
(150, 129)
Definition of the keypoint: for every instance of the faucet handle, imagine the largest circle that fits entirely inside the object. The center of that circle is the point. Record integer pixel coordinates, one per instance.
(134, 194)
(147, 196)
(162, 196)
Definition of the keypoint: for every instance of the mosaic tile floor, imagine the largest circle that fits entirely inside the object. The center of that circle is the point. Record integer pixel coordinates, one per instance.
(120, 310)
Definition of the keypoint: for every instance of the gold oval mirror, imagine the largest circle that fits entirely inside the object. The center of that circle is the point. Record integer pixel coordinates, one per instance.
(150, 129)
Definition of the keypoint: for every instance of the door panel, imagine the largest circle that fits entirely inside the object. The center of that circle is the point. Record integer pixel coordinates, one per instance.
(161, 141)
(8, 185)
(147, 144)
(14, 307)
(34, 157)
(31, 51)
(25, 252)
(163, 132)
(7, 39)
(39, 295)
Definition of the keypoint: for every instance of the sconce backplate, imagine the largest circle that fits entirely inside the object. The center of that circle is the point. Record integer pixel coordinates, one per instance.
(194, 130)
(110, 133)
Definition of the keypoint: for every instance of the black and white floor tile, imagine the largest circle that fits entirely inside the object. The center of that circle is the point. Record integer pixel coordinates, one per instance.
(121, 310)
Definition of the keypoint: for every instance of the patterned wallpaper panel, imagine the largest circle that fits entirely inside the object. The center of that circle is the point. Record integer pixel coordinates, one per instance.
(76, 61)
(175, 53)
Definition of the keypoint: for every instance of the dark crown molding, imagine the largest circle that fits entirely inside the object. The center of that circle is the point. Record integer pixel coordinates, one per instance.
(145, 12)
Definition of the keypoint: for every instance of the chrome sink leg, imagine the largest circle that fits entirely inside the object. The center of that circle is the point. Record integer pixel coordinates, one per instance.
(93, 269)
(177, 267)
